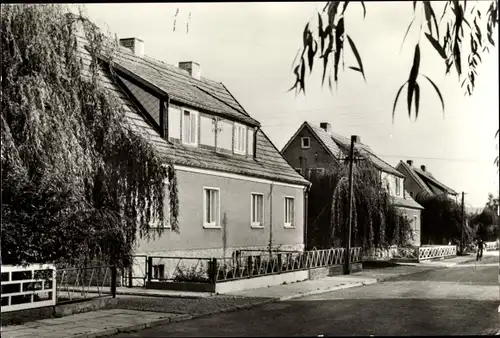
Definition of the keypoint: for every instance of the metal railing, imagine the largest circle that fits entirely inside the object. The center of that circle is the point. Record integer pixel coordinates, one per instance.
(438, 251)
(75, 284)
(265, 263)
(179, 269)
(27, 287)
(491, 246)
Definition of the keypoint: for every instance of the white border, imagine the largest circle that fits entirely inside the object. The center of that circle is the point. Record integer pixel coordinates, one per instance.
(236, 176)
(236, 126)
(302, 142)
(257, 225)
(288, 225)
(217, 222)
(195, 113)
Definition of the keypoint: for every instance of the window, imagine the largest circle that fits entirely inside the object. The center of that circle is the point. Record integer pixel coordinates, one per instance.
(225, 135)
(398, 183)
(207, 130)
(189, 127)
(155, 223)
(174, 123)
(251, 135)
(211, 207)
(240, 139)
(305, 142)
(289, 212)
(257, 210)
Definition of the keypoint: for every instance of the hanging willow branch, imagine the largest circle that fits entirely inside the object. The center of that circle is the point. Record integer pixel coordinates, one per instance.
(77, 182)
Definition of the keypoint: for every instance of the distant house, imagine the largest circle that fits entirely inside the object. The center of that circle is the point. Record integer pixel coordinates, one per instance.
(318, 148)
(235, 189)
(421, 181)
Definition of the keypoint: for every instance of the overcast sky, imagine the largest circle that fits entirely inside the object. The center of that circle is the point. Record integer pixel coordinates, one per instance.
(250, 48)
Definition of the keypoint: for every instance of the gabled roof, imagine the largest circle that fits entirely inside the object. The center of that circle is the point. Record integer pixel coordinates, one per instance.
(426, 181)
(206, 95)
(338, 146)
(406, 202)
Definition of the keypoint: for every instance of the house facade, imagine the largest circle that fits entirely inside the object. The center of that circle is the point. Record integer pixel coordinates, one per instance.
(315, 147)
(235, 189)
(421, 181)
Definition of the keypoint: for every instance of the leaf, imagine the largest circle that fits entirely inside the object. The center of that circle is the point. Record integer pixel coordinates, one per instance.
(417, 99)
(436, 45)
(414, 5)
(444, 11)
(295, 59)
(437, 91)
(311, 53)
(457, 55)
(364, 9)
(396, 100)
(339, 32)
(345, 6)
(305, 35)
(356, 54)
(407, 30)
(302, 76)
(413, 77)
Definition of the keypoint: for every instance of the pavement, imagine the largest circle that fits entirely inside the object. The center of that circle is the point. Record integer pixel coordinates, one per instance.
(140, 310)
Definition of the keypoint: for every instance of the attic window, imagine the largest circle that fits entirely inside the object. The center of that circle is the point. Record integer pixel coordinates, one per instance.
(189, 127)
(240, 139)
(305, 142)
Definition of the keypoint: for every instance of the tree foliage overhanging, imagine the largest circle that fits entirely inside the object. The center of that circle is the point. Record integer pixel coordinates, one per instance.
(459, 35)
(376, 221)
(77, 182)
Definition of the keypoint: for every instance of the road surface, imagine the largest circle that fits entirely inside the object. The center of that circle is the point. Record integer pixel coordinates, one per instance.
(452, 301)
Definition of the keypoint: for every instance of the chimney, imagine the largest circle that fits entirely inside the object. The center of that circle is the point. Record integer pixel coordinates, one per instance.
(422, 167)
(193, 68)
(410, 162)
(326, 126)
(134, 44)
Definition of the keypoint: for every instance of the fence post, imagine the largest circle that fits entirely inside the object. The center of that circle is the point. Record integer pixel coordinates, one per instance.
(113, 280)
(250, 266)
(212, 270)
(280, 264)
(150, 268)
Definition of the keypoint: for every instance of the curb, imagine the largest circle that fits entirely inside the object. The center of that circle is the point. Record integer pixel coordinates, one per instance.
(316, 292)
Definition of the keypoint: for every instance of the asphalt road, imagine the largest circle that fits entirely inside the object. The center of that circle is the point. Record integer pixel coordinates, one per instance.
(452, 301)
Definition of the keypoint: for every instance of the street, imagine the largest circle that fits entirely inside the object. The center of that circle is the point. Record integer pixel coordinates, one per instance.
(458, 300)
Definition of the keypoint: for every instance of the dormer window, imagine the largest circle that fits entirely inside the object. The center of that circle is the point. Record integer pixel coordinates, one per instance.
(189, 127)
(240, 139)
(305, 142)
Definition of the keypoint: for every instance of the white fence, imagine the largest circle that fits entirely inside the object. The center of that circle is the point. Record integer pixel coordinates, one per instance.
(28, 287)
(491, 246)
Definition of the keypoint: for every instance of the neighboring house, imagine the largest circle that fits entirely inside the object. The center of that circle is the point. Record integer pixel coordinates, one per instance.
(318, 148)
(235, 189)
(419, 180)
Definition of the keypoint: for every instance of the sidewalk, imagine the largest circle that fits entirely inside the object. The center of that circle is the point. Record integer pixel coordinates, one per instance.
(135, 312)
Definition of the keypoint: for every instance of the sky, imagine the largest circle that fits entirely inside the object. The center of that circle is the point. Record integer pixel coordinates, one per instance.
(250, 47)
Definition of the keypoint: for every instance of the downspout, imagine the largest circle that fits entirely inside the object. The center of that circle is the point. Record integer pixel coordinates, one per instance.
(271, 218)
(306, 207)
(164, 105)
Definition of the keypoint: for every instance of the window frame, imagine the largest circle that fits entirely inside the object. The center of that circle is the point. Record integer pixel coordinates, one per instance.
(289, 225)
(302, 139)
(260, 224)
(238, 126)
(155, 224)
(197, 125)
(216, 224)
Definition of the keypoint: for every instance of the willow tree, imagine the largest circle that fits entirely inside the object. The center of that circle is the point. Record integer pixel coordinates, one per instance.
(77, 181)
(459, 35)
(376, 222)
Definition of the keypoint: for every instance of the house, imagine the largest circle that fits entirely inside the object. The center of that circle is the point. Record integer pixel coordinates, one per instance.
(421, 181)
(318, 148)
(235, 189)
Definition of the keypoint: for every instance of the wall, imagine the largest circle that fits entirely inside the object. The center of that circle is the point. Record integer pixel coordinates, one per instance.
(411, 186)
(411, 213)
(314, 157)
(391, 181)
(235, 199)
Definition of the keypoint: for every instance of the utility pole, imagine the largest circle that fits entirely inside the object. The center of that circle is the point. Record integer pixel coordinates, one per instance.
(347, 262)
(462, 244)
